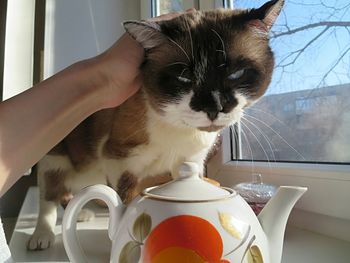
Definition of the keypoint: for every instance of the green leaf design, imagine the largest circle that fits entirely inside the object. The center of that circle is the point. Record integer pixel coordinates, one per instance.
(130, 253)
(142, 227)
(254, 255)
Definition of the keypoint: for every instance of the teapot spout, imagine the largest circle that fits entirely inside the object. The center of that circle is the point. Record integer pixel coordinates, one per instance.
(273, 218)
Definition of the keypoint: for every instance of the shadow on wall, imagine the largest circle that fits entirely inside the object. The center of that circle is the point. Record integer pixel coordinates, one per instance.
(11, 201)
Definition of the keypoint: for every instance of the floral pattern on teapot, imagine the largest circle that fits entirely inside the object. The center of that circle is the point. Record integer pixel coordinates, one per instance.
(187, 237)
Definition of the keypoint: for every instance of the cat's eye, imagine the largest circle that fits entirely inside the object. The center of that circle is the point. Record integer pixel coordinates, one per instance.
(236, 75)
(183, 79)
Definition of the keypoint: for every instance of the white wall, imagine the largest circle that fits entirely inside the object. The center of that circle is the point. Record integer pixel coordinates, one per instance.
(79, 29)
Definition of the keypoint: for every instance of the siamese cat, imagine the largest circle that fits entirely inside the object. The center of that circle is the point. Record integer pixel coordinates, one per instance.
(201, 70)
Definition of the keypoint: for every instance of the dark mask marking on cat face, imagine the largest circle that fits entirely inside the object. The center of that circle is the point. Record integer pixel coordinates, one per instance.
(191, 61)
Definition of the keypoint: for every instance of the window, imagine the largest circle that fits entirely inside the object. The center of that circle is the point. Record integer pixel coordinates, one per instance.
(305, 114)
(170, 6)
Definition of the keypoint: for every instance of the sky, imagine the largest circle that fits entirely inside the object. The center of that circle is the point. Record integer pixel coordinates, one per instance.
(312, 65)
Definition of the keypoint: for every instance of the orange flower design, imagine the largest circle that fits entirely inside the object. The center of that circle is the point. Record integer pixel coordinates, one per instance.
(186, 239)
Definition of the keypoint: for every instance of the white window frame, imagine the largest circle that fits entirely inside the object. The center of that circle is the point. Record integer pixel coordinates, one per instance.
(324, 208)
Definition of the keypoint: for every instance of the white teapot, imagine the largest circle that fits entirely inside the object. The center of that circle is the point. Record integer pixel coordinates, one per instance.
(187, 220)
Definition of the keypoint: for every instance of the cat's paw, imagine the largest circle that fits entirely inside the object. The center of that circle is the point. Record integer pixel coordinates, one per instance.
(41, 239)
(85, 215)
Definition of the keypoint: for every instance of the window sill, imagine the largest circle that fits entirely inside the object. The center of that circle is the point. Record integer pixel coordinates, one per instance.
(306, 246)
(324, 208)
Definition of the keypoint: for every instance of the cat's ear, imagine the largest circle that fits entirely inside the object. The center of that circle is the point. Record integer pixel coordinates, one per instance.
(264, 17)
(148, 34)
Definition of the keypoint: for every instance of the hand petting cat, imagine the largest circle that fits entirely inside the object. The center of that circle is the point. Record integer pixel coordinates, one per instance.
(119, 66)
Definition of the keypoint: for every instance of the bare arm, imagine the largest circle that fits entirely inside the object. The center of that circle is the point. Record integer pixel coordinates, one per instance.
(37, 119)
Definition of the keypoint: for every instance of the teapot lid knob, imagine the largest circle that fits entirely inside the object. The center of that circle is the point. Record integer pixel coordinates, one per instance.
(189, 169)
(188, 187)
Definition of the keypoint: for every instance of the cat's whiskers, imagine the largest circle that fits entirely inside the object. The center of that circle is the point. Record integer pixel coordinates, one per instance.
(260, 144)
(269, 142)
(182, 72)
(249, 147)
(181, 48)
(177, 63)
(268, 113)
(222, 43)
(243, 86)
(191, 40)
(284, 140)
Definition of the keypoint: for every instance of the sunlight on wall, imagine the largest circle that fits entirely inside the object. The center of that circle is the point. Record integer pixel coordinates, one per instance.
(19, 43)
(80, 29)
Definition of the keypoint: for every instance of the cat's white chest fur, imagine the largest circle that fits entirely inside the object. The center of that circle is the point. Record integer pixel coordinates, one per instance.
(166, 149)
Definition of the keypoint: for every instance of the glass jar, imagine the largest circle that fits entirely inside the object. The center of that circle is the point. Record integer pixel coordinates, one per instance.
(256, 193)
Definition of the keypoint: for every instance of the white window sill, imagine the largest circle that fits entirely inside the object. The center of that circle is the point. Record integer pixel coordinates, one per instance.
(306, 246)
(324, 208)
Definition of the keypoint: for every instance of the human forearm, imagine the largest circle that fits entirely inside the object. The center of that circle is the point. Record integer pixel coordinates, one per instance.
(36, 120)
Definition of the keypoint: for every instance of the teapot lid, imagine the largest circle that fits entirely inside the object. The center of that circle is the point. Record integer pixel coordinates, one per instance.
(188, 187)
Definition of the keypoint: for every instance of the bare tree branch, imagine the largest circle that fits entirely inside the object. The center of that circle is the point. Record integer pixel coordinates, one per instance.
(339, 59)
(301, 50)
(328, 24)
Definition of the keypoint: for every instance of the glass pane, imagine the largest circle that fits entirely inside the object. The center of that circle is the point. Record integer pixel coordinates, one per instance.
(305, 114)
(167, 6)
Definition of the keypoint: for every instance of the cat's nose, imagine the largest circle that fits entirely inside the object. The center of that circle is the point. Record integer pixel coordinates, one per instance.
(213, 112)
(215, 107)
(212, 115)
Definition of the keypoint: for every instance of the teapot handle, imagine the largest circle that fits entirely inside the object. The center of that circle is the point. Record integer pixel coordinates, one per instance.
(69, 223)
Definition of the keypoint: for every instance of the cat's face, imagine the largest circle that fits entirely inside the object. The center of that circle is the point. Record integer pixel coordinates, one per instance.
(202, 69)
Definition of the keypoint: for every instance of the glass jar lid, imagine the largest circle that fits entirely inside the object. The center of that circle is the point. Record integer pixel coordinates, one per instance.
(256, 191)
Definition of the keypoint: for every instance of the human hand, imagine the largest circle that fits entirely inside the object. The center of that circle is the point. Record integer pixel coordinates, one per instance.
(119, 67)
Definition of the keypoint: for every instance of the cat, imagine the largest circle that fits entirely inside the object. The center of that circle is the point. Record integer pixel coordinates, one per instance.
(201, 70)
